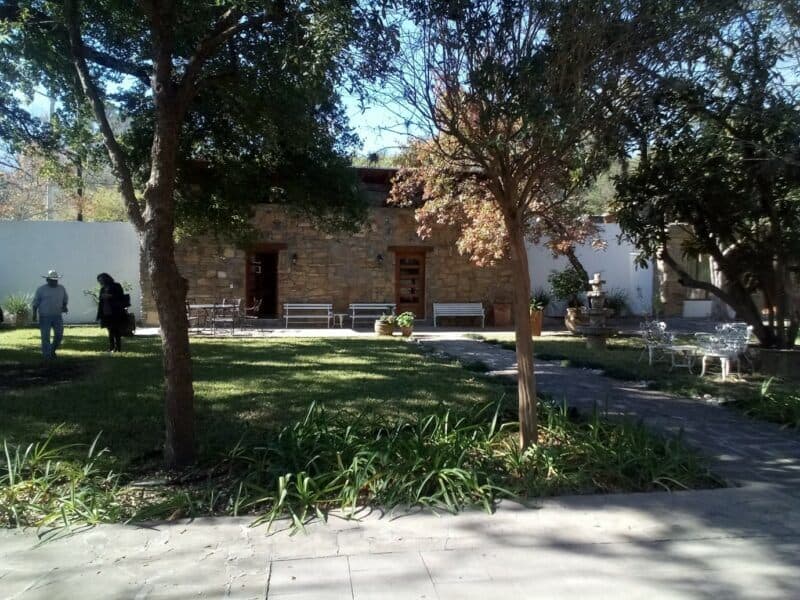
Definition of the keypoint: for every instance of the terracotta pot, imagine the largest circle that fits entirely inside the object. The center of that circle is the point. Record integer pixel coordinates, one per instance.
(21, 318)
(383, 328)
(536, 322)
(406, 331)
(573, 319)
(501, 314)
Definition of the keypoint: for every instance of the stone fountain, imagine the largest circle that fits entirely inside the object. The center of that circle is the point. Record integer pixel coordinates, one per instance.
(594, 328)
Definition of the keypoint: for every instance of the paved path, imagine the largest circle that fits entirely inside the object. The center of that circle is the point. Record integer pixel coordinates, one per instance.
(729, 543)
(742, 450)
(737, 542)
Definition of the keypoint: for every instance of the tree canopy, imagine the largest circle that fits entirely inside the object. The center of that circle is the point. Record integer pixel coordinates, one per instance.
(519, 104)
(225, 103)
(720, 154)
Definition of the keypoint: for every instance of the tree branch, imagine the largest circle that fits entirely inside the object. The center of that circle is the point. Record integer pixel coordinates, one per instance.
(117, 64)
(115, 152)
(12, 11)
(688, 281)
(231, 23)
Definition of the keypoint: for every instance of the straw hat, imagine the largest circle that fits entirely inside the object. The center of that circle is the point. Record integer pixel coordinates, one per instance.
(52, 274)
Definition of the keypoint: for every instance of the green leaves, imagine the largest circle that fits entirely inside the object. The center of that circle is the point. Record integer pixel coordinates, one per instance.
(328, 462)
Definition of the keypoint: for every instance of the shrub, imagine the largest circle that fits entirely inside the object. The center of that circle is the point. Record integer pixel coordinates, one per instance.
(405, 319)
(568, 286)
(18, 304)
(617, 301)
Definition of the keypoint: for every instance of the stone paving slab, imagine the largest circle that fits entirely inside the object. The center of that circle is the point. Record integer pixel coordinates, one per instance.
(658, 544)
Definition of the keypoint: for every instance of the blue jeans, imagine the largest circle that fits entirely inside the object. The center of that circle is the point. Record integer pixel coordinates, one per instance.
(46, 323)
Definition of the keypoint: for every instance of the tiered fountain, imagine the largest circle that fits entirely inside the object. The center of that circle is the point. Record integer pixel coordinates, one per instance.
(595, 330)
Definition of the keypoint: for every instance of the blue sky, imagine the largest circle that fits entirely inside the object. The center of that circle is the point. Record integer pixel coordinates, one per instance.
(371, 126)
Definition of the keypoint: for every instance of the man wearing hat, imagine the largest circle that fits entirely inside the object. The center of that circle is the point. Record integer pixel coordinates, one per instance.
(49, 302)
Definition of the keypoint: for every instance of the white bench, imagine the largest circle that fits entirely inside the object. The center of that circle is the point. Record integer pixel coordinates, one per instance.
(308, 312)
(369, 311)
(458, 309)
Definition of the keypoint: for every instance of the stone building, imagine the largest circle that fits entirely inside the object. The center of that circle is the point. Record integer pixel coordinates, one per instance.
(294, 262)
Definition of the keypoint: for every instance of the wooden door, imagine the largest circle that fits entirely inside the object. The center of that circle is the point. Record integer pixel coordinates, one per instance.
(409, 283)
(262, 282)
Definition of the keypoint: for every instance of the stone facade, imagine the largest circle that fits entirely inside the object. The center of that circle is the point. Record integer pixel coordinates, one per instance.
(313, 266)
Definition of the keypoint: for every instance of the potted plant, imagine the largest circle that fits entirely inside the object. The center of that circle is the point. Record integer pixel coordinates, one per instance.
(405, 321)
(568, 286)
(19, 305)
(539, 301)
(385, 325)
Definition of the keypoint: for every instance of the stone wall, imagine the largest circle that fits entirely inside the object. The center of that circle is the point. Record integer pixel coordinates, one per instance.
(337, 268)
(670, 292)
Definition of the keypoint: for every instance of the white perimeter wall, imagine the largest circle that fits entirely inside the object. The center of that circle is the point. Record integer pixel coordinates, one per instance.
(615, 264)
(79, 251)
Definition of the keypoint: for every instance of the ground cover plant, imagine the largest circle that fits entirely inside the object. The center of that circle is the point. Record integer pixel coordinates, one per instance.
(296, 427)
(768, 399)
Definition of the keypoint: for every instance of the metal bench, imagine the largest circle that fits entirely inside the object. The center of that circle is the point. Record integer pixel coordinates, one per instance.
(308, 312)
(369, 311)
(459, 309)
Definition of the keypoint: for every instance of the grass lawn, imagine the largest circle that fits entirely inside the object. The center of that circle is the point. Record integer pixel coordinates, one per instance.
(623, 360)
(244, 388)
(293, 427)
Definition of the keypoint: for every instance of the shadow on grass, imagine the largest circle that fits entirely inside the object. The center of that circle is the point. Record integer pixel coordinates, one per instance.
(245, 389)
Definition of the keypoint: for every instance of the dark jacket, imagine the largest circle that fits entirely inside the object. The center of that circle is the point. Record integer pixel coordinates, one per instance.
(111, 305)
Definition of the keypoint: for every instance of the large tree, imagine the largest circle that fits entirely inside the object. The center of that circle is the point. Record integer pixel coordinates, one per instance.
(720, 156)
(522, 94)
(227, 102)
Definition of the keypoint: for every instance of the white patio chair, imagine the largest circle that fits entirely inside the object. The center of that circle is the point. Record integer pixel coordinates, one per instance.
(728, 344)
(656, 340)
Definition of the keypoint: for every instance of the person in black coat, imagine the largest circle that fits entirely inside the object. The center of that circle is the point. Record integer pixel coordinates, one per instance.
(111, 310)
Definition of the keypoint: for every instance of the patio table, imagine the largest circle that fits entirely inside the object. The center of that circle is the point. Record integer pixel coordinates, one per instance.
(682, 355)
(203, 311)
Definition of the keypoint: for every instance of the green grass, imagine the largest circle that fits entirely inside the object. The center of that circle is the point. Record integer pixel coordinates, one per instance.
(243, 387)
(293, 427)
(623, 359)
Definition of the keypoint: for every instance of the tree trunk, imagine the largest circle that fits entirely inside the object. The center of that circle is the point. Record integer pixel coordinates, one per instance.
(169, 293)
(578, 266)
(526, 380)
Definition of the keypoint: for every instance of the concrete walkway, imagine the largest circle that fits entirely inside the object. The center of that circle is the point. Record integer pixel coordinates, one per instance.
(737, 542)
(730, 543)
(742, 450)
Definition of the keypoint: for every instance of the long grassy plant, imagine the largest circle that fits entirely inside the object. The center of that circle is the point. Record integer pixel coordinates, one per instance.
(329, 461)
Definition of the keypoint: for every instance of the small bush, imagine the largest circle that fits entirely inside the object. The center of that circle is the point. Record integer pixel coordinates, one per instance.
(18, 304)
(568, 286)
(617, 301)
(771, 405)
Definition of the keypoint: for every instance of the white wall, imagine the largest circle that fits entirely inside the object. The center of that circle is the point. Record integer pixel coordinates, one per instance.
(79, 251)
(615, 264)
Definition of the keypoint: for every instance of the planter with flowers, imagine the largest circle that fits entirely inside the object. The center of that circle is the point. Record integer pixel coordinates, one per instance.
(405, 321)
(385, 325)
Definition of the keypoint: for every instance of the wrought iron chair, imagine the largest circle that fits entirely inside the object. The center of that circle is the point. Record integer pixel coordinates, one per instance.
(249, 317)
(728, 344)
(226, 315)
(656, 340)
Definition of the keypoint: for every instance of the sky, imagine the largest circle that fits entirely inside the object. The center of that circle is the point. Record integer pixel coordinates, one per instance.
(371, 126)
